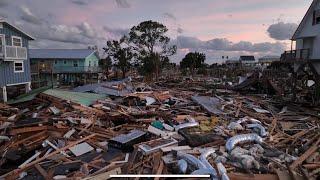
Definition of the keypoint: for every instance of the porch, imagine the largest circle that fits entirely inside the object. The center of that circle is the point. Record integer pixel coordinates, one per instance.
(48, 68)
(296, 55)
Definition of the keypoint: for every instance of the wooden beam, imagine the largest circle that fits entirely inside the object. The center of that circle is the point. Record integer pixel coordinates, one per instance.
(160, 169)
(41, 170)
(106, 175)
(27, 129)
(18, 171)
(304, 156)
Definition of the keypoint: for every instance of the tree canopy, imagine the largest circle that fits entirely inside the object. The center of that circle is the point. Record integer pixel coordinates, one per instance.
(147, 43)
(121, 54)
(192, 61)
(106, 64)
(151, 46)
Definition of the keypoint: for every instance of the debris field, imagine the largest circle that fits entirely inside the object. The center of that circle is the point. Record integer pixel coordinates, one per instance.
(168, 127)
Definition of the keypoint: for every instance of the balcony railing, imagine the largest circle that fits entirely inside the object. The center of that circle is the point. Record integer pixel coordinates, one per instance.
(64, 69)
(300, 54)
(13, 53)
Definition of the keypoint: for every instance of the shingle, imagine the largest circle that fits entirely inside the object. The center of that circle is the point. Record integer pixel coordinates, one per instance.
(59, 53)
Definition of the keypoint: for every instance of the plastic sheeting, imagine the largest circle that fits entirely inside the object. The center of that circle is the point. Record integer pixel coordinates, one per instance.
(186, 125)
(245, 158)
(211, 104)
(183, 165)
(203, 159)
(262, 130)
(204, 172)
(222, 171)
(190, 159)
(233, 141)
(245, 119)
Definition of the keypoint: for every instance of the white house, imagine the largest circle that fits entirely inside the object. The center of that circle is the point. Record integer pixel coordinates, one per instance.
(307, 37)
(247, 60)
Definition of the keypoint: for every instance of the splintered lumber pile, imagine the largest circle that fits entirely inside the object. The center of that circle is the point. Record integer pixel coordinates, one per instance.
(167, 128)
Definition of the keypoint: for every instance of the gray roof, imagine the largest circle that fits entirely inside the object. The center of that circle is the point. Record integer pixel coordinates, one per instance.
(106, 88)
(60, 53)
(247, 58)
(15, 27)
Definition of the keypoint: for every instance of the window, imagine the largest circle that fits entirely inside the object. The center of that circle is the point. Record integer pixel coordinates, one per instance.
(16, 41)
(1, 43)
(89, 63)
(75, 63)
(18, 66)
(318, 20)
(316, 17)
(55, 62)
(64, 62)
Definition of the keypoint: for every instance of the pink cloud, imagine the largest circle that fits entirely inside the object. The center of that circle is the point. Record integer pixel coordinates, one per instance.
(249, 25)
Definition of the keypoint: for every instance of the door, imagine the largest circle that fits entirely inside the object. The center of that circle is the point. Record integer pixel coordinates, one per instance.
(308, 47)
(1, 44)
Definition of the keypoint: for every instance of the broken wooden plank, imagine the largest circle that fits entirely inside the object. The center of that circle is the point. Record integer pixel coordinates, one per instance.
(27, 129)
(304, 156)
(156, 162)
(105, 175)
(240, 176)
(41, 171)
(175, 148)
(18, 171)
(160, 169)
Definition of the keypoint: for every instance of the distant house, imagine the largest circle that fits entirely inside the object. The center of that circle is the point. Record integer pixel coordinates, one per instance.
(64, 66)
(247, 60)
(267, 60)
(15, 75)
(232, 63)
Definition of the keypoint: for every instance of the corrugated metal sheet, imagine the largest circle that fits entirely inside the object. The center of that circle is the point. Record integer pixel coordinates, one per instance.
(106, 88)
(81, 98)
(60, 53)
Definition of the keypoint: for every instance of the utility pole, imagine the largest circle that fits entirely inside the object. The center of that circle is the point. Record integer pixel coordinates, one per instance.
(52, 74)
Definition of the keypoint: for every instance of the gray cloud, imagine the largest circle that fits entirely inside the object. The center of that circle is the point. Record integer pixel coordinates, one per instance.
(80, 2)
(123, 4)
(87, 30)
(81, 34)
(185, 42)
(48, 44)
(222, 44)
(179, 30)
(28, 16)
(3, 14)
(282, 31)
(170, 15)
(173, 18)
(4, 3)
(116, 32)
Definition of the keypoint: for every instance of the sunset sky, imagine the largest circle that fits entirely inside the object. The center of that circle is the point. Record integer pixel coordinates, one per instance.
(215, 27)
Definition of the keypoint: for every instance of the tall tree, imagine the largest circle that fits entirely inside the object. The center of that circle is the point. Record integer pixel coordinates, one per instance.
(192, 61)
(150, 43)
(121, 54)
(106, 64)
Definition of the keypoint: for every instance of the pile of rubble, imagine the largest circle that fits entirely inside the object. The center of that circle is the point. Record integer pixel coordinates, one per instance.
(160, 130)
